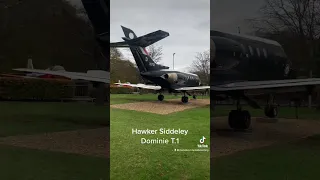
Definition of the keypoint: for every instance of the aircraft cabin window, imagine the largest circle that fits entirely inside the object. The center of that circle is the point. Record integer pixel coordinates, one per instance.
(258, 52)
(265, 53)
(251, 50)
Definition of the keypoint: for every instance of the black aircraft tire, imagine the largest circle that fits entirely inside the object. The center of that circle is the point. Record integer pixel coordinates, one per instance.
(233, 119)
(194, 97)
(184, 99)
(245, 120)
(160, 97)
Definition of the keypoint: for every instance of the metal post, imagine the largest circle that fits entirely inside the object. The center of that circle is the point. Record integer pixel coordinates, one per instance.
(173, 60)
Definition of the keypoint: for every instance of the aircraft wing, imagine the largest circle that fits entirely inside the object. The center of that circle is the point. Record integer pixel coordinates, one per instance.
(148, 39)
(142, 86)
(91, 75)
(143, 41)
(192, 88)
(270, 84)
(119, 44)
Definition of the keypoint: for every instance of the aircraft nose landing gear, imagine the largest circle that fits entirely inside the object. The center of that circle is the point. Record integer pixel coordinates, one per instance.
(271, 111)
(239, 119)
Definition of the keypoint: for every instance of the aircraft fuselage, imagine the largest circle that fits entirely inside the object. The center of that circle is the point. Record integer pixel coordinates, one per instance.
(238, 58)
(171, 79)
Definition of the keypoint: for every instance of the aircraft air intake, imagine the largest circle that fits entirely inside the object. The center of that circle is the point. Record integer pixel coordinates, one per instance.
(171, 77)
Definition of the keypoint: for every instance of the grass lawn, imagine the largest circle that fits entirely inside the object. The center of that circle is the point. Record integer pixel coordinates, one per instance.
(25, 164)
(18, 118)
(133, 160)
(294, 161)
(284, 112)
(130, 98)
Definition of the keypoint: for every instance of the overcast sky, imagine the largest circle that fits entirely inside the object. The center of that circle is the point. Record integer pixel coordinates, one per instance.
(187, 22)
(228, 15)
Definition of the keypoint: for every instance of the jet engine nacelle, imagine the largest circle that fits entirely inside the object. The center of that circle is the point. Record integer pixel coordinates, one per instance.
(171, 77)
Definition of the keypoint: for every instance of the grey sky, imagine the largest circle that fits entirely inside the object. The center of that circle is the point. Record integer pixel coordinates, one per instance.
(188, 23)
(227, 15)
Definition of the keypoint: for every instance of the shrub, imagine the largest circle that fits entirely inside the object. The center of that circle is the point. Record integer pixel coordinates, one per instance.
(121, 90)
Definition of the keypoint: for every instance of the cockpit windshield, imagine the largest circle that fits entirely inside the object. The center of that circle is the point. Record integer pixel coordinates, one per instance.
(227, 52)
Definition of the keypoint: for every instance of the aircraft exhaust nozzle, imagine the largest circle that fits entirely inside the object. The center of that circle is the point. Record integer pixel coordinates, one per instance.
(171, 77)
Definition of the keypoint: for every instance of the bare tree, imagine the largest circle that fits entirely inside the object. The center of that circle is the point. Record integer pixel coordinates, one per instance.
(201, 66)
(155, 52)
(300, 18)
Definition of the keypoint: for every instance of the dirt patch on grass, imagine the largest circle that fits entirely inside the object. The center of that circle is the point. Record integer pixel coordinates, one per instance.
(264, 132)
(164, 107)
(93, 142)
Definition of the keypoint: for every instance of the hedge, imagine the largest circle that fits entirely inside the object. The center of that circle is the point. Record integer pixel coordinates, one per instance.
(35, 89)
(121, 90)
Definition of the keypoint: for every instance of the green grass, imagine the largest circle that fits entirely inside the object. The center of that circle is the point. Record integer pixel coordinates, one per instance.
(130, 98)
(134, 160)
(30, 118)
(27, 164)
(293, 161)
(284, 112)
(17, 118)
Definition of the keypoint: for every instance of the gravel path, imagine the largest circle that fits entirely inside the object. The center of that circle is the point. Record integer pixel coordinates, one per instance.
(93, 142)
(264, 133)
(164, 107)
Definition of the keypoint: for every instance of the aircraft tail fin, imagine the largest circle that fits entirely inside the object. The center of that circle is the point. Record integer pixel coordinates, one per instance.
(138, 46)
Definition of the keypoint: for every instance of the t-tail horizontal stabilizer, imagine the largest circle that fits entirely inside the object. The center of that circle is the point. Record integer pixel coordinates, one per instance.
(143, 41)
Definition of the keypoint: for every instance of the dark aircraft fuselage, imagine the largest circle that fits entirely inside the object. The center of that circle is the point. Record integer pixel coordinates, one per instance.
(170, 79)
(242, 58)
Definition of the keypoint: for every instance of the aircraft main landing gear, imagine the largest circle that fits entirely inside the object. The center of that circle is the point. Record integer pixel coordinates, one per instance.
(194, 97)
(184, 98)
(239, 119)
(160, 97)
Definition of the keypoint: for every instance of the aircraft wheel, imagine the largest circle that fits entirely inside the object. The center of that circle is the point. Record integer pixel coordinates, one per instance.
(184, 99)
(160, 97)
(239, 119)
(194, 97)
(245, 120)
(271, 111)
